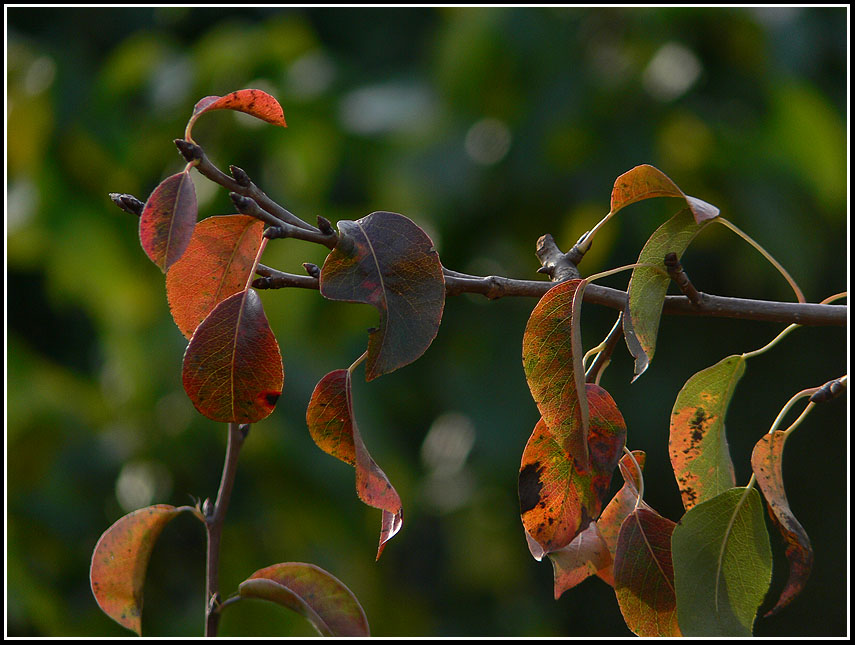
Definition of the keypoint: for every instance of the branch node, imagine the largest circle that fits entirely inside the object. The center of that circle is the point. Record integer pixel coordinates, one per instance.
(190, 151)
(274, 232)
(556, 264)
(240, 176)
(128, 203)
(312, 269)
(830, 390)
(262, 282)
(678, 275)
(324, 226)
(242, 203)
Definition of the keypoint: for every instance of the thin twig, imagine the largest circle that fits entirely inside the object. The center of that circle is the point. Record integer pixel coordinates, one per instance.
(678, 275)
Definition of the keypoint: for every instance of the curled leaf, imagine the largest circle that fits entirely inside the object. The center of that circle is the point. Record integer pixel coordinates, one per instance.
(645, 181)
(586, 555)
(254, 102)
(168, 219)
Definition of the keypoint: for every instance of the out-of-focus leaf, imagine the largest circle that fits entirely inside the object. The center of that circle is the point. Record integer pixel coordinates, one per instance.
(333, 428)
(120, 560)
(722, 564)
(647, 287)
(766, 463)
(644, 576)
(232, 367)
(389, 262)
(645, 181)
(217, 263)
(255, 102)
(586, 555)
(168, 219)
(552, 361)
(313, 593)
(697, 444)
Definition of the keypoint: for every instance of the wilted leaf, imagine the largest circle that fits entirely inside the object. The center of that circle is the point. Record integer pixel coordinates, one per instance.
(552, 361)
(387, 261)
(120, 560)
(722, 564)
(333, 428)
(311, 592)
(232, 367)
(766, 463)
(216, 264)
(586, 555)
(255, 102)
(698, 445)
(644, 576)
(168, 219)
(645, 181)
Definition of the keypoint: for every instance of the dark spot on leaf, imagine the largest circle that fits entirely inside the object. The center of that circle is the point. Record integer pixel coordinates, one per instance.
(529, 486)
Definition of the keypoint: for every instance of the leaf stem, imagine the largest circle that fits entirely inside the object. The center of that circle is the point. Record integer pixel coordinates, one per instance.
(357, 362)
(640, 478)
(585, 243)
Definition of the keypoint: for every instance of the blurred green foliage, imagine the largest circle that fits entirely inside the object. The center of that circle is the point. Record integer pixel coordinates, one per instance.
(488, 127)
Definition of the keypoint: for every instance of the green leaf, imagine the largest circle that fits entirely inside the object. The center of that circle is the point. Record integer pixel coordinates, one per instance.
(254, 102)
(387, 261)
(697, 444)
(647, 287)
(333, 428)
(232, 368)
(766, 463)
(168, 219)
(313, 593)
(586, 555)
(722, 564)
(645, 181)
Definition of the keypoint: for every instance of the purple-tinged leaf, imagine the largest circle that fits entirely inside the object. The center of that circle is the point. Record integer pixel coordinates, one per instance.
(168, 219)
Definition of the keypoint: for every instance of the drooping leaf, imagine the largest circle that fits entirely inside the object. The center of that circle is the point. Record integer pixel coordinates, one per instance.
(255, 102)
(647, 287)
(120, 560)
(333, 428)
(232, 367)
(552, 361)
(389, 262)
(313, 593)
(697, 444)
(168, 219)
(586, 555)
(722, 564)
(216, 264)
(645, 181)
(766, 463)
(644, 576)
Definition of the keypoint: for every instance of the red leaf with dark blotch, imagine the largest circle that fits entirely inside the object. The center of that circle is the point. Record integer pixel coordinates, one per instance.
(168, 219)
(319, 596)
(232, 366)
(766, 463)
(621, 505)
(644, 574)
(333, 428)
(254, 102)
(586, 555)
(216, 264)
(552, 361)
(387, 261)
(645, 181)
(120, 559)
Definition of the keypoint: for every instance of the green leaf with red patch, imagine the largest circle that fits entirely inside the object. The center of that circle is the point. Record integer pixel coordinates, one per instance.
(232, 367)
(315, 594)
(645, 182)
(766, 463)
(217, 264)
(254, 102)
(698, 446)
(168, 219)
(389, 262)
(333, 428)
(585, 556)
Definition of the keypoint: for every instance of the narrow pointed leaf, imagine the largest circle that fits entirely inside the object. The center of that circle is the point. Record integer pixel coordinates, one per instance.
(586, 555)
(313, 593)
(722, 564)
(766, 463)
(120, 559)
(644, 576)
(333, 429)
(645, 181)
(168, 219)
(552, 361)
(647, 287)
(254, 102)
(697, 444)
(389, 262)
(232, 367)
(216, 265)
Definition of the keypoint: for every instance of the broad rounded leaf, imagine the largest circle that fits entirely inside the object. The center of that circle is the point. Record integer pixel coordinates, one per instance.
(254, 102)
(722, 564)
(586, 555)
(645, 181)
(168, 219)
(232, 367)
(313, 593)
(216, 264)
(333, 428)
(697, 444)
(766, 463)
(387, 261)
(120, 560)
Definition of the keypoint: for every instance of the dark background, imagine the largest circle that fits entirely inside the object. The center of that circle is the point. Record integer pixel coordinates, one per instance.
(489, 127)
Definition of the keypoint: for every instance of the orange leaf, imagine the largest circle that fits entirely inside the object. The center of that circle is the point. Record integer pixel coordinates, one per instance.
(586, 555)
(645, 181)
(254, 102)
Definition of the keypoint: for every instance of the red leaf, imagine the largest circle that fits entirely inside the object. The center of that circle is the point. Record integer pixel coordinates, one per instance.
(586, 555)
(217, 263)
(232, 367)
(387, 261)
(255, 102)
(168, 219)
(645, 181)
(333, 428)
